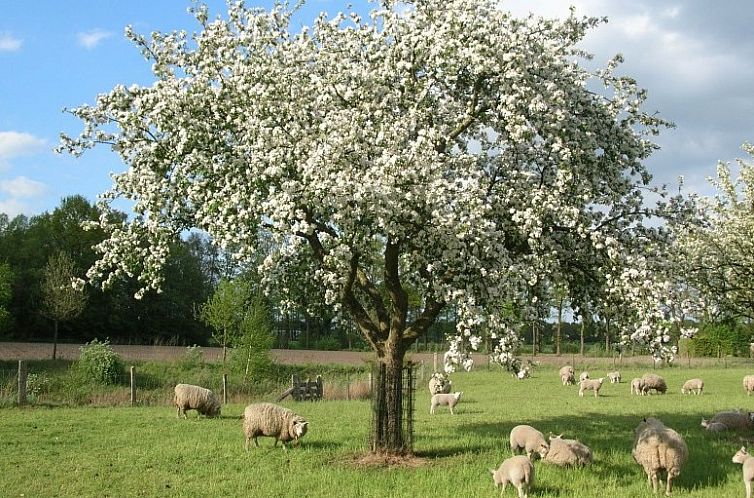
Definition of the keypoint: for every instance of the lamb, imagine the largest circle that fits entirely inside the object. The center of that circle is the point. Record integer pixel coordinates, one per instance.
(590, 384)
(529, 439)
(189, 397)
(567, 375)
(749, 384)
(268, 419)
(747, 461)
(637, 386)
(439, 384)
(566, 452)
(714, 426)
(734, 419)
(653, 381)
(695, 386)
(517, 470)
(583, 376)
(450, 400)
(657, 449)
(614, 377)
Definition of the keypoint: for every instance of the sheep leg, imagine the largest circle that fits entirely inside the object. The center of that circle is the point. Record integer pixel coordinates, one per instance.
(595, 393)
(653, 479)
(502, 490)
(669, 486)
(246, 444)
(747, 485)
(256, 442)
(521, 492)
(451, 409)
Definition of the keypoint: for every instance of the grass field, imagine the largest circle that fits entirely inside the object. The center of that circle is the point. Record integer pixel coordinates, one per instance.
(146, 451)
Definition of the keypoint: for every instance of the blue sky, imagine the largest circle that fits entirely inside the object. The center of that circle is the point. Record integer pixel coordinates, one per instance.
(695, 57)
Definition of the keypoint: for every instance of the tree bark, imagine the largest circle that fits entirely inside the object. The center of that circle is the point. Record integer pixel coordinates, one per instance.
(560, 322)
(388, 426)
(55, 340)
(581, 345)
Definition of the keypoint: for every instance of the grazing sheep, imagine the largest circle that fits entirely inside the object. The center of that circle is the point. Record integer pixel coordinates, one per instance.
(734, 419)
(518, 471)
(657, 449)
(267, 419)
(450, 400)
(749, 384)
(590, 384)
(567, 375)
(637, 386)
(439, 384)
(714, 426)
(614, 377)
(567, 452)
(653, 381)
(583, 376)
(747, 461)
(695, 386)
(529, 439)
(189, 397)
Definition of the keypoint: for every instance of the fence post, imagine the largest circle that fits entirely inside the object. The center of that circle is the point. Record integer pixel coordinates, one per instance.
(225, 389)
(133, 385)
(434, 362)
(21, 382)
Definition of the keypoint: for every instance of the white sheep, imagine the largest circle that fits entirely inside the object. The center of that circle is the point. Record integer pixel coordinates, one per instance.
(747, 461)
(653, 381)
(614, 377)
(734, 419)
(529, 439)
(517, 470)
(270, 420)
(590, 384)
(749, 384)
(695, 386)
(566, 452)
(443, 399)
(714, 426)
(583, 376)
(190, 397)
(637, 386)
(659, 449)
(439, 383)
(567, 375)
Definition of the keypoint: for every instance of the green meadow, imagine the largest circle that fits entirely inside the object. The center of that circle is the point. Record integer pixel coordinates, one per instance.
(147, 451)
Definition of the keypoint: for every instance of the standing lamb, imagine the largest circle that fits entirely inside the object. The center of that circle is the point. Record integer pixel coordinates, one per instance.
(734, 419)
(189, 397)
(450, 400)
(747, 461)
(637, 386)
(567, 375)
(583, 376)
(657, 449)
(714, 426)
(529, 439)
(653, 381)
(567, 452)
(614, 377)
(695, 386)
(518, 471)
(590, 384)
(267, 419)
(438, 384)
(749, 384)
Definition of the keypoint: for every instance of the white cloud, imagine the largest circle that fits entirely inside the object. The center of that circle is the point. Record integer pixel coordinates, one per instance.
(8, 43)
(90, 39)
(14, 143)
(22, 186)
(13, 207)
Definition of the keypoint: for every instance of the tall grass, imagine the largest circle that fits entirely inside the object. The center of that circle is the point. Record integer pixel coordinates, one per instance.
(146, 451)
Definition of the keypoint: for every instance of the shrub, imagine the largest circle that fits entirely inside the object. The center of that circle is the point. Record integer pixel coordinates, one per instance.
(193, 357)
(720, 339)
(100, 363)
(36, 384)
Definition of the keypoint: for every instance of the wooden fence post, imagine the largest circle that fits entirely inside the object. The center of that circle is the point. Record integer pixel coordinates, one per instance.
(133, 385)
(21, 382)
(434, 362)
(225, 389)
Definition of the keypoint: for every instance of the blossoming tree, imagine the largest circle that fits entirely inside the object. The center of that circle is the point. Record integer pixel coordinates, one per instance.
(446, 150)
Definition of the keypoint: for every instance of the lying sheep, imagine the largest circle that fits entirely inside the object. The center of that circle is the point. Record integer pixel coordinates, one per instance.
(714, 426)
(189, 397)
(695, 386)
(653, 381)
(659, 449)
(518, 471)
(614, 377)
(567, 452)
(567, 375)
(590, 384)
(439, 384)
(749, 384)
(529, 439)
(747, 461)
(737, 420)
(270, 420)
(450, 400)
(583, 376)
(637, 386)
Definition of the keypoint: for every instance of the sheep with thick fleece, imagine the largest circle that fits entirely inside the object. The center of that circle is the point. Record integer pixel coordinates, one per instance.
(614, 377)
(714, 426)
(659, 449)
(734, 419)
(518, 471)
(747, 462)
(637, 386)
(190, 397)
(439, 384)
(749, 384)
(653, 381)
(695, 386)
(567, 375)
(270, 420)
(449, 400)
(590, 385)
(567, 452)
(529, 439)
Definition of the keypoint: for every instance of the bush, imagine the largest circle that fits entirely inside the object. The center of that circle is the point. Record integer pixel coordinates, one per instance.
(100, 363)
(716, 340)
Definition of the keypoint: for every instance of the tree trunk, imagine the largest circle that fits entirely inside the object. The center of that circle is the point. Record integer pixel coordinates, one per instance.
(557, 331)
(581, 344)
(388, 421)
(55, 340)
